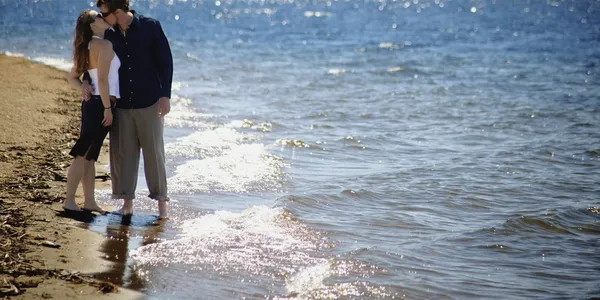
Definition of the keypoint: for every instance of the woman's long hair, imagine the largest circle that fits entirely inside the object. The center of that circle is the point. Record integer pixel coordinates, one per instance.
(83, 36)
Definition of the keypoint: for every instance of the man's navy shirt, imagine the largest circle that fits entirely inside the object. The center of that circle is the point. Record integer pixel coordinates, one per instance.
(146, 69)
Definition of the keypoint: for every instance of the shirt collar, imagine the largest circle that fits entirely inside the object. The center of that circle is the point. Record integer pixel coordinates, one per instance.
(134, 22)
(136, 19)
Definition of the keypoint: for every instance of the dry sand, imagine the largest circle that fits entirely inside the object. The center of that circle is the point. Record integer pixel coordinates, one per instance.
(39, 122)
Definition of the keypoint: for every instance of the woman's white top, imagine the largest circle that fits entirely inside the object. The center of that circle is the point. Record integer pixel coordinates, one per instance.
(113, 76)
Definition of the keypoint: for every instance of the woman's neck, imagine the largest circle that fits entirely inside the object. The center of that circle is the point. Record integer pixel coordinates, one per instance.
(98, 34)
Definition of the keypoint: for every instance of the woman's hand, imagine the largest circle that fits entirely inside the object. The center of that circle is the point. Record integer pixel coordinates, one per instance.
(108, 117)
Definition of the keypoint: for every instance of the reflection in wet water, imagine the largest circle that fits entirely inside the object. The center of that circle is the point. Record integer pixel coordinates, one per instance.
(121, 236)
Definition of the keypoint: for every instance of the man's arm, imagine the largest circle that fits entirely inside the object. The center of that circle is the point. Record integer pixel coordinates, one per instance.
(164, 60)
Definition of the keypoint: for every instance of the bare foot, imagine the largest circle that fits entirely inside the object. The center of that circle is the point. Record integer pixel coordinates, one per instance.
(94, 208)
(125, 211)
(127, 208)
(162, 210)
(71, 206)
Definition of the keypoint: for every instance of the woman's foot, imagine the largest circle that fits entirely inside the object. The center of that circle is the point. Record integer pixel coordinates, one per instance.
(70, 206)
(94, 208)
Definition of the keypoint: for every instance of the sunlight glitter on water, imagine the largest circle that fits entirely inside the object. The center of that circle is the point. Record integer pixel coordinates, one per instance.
(259, 240)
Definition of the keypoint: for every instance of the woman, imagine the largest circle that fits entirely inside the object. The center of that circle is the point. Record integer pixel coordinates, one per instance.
(92, 54)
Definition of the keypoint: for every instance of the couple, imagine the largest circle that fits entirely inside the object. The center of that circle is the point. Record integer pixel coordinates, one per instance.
(127, 59)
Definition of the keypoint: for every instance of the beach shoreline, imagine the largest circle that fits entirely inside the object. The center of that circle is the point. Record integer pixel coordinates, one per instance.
(45, 255)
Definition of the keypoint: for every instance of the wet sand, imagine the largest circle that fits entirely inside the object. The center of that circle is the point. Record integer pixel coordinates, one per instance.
(45, 254)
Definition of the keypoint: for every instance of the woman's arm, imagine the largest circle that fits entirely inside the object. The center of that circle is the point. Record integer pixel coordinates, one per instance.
(73, 78)
(105, 55)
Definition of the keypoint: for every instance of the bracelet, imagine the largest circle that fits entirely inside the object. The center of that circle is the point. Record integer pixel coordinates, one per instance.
(108, 107)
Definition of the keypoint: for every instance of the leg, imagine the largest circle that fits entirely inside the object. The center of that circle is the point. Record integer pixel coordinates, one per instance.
(150, 129)
(88, 183)
(85, 152)
(124, 158)
(74, 175)
(163, 211)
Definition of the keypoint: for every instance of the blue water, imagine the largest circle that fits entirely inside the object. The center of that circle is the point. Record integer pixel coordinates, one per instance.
(363, 149)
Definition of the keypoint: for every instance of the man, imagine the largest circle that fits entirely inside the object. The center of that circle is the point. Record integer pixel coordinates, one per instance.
(145, 80)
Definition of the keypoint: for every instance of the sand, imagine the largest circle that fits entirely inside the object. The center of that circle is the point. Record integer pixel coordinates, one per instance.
(43, 254)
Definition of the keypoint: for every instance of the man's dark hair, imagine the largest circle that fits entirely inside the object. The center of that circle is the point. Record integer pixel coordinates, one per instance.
(113, 5)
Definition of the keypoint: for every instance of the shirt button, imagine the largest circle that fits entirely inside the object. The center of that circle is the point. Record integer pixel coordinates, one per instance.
(130, 80)
(129, 68)
(127, 55)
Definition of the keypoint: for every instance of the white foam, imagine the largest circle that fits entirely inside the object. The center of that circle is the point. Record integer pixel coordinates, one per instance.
(184, 115)
(308, 279)
(309, 283)
(338, 71)
(59, 63)
(13, 54)
(345, 290)
(56, 62)
(207, 143)
(395, 69)
(387, 45)
(243, 168)
(176, 85)
(263, 126)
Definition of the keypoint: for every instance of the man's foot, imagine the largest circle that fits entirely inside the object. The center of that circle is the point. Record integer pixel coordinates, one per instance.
(162, 210)
(125, 211)
(127, 208)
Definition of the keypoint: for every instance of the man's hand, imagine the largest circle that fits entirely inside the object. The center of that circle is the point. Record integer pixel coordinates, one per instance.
(86, 90)
(164, 106)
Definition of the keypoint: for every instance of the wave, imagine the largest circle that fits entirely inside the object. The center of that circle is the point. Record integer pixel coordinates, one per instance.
(55, 62)
(243, 168)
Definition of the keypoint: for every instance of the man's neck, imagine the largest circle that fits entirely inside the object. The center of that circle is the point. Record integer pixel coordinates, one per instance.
(125, 21)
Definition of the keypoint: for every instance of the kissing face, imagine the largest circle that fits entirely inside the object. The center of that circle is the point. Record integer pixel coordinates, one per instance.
(107, 15)
(99, 24)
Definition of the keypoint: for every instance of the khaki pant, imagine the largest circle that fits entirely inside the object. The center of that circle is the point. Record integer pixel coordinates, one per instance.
(133, 130)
